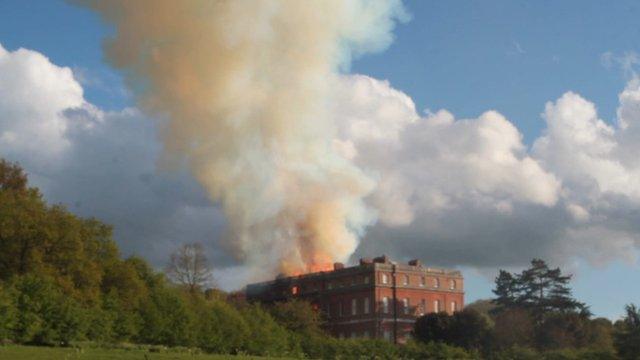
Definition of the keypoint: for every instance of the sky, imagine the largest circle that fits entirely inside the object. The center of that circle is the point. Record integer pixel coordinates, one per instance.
(497, 131)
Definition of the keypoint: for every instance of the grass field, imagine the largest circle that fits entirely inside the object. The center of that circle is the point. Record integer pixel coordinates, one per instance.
(46, 353)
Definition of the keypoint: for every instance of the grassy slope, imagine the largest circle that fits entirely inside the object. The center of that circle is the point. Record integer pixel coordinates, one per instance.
(45, 353)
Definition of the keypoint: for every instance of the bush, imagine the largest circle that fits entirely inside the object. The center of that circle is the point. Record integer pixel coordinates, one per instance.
(266, 337)
(220, 328)
(8, 314)
(44, 314)
(166, 319)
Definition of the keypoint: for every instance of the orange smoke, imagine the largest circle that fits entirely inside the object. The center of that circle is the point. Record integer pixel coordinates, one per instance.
(246, 92)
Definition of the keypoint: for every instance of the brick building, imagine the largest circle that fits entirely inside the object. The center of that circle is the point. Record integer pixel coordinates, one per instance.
(375, 299)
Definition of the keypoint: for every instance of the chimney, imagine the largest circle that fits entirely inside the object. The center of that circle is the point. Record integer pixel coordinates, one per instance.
(365, 261)
(338, 266)
(415, 262)
(381, 259)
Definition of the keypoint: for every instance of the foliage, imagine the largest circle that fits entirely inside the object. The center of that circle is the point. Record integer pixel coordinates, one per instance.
(44, 314)
(266, 336)
(513, 328)
(298, 316)
(467, 329)
(539, 289)
(627, 334)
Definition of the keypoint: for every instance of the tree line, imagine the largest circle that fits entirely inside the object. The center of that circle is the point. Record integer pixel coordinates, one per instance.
(534, 316)
(64, 282)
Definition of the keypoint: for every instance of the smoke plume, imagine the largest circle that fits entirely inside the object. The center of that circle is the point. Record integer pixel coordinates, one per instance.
(244, 89)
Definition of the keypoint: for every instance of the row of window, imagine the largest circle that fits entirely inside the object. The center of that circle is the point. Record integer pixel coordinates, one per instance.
(422, 308)
(366, 307)
(405, 280)
(405, 302)
(353, 281)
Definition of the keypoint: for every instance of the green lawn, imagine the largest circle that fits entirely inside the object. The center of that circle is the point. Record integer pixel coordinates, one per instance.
(13, 352)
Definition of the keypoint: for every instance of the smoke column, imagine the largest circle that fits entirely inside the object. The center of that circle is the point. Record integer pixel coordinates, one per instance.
(246, 91)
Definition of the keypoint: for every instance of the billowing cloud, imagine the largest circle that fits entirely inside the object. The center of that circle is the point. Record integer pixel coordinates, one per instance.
(99, 163)
(33, 95)
(468, 191)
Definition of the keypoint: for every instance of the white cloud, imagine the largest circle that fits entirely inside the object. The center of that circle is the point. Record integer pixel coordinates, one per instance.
(34, 93)
(468, 191)
(437, 161)
(99, 163)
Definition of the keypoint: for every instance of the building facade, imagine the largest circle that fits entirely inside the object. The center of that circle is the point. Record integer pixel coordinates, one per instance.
(375, 299)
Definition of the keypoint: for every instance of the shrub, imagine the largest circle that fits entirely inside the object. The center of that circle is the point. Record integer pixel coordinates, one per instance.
(44, 314)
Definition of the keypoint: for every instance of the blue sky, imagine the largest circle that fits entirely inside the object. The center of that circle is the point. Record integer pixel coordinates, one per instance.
(464, 56)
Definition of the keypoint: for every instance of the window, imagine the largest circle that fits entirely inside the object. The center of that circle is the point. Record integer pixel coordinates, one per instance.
(384, 278)
(354, 306)
(365, 334)
(452, 284)
(385, 305)
(405, 306)
(354, 334)
(454, 306)
(366, 279)
(436, 306)
(423, 281)
(423, 306)
(387, 335)
(353, 281)
(405, 280)
(294, 290)
(340, 309)
(329, 285)
(366, 305)
(436, 283)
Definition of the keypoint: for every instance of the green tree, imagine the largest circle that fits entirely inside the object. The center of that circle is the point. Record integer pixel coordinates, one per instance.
(513, 327)
(12, 177)
(220, 327)
(266, 336)
(433, 327)
(298, 316)
(539, 289)
(8, 313)
(470, 330)
(507, 290)
(627, 334)
(45, 314)
(166, 319)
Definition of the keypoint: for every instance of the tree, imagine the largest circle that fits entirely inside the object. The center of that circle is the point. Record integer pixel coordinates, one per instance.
(538, 289)
(189, 266)
(433, 327)
(627, 334)
(297, 316)
(470, 330)
(545, 290)
(467, 329)
(507, 290)
(12, 177)
(513, 327)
